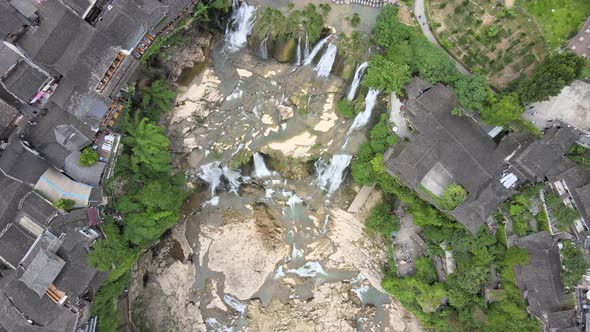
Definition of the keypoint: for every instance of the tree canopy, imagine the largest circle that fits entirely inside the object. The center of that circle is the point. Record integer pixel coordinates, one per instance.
(472, 92)
(453, 195)
(505, 110)
(156, 99)
(550, 76)
(88, 157)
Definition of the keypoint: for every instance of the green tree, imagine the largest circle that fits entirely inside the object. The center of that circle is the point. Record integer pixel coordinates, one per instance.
(156, 99)
(112, 252)
(565, 216)
(151, 197)
(142, 229)
(550, 76)
(472, 92)
(88, 157)
(388, 30)
(432, 63)
(503, 111)
(453, 195)
(347, 108)
(149, 149)
(64, 204)
(382, 221)
(574, 264)
(387, 75)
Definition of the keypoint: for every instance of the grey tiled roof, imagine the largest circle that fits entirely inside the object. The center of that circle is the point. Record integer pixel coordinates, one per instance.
(22, 164)
(540, 280)
(16, 300)
(42, 271)
(541, 155)
(44, 138)
(11, 192)
(469, 155)
(14, 244)
(7, 114)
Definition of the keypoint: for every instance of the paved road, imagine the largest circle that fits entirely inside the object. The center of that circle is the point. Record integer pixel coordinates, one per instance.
(420, 14)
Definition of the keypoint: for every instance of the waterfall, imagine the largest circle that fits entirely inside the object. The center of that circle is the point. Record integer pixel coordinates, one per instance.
(358, 74)
(330, 176)
(211, 173)
(240, 25)
(306, 50)
(263, 51)
(298, 61)
(324, 66)
(233, 178)
(363, 117)
(260, 170)
(316, 50)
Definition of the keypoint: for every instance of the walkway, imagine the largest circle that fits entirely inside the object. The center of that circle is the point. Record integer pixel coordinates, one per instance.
(420, 14)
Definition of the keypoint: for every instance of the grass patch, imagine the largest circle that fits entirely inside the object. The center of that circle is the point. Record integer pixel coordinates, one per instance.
(543, 221)
(559, 20)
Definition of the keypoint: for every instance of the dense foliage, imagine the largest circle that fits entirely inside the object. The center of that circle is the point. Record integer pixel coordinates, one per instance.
(143, 173)
(88, 157)
(347, 108)
(550, 76)
(457, 304)
(156, 99)
(453, 195)
(574, 264)
(275, 24)
(564, 216)
(64, 204)
(382, 220)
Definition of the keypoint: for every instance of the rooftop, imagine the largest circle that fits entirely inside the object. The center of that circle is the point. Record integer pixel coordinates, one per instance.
(454, 144)
(540, 280)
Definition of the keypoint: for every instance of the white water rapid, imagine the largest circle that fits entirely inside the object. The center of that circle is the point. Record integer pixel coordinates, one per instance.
(211, 173)
(298, 59)
(330, 176)
(306, 50)
(358, 74)
(324, 66)
(316, 49)
(363, 117)
(260, 169)
(263, 49)
(240, 25)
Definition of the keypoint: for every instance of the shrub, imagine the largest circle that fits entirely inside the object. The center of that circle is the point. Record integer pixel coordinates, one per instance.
(240, 159)
(382, 220)
(64, 204)
(347, 108)
(452, 196)
(88, 157)
(355, 20)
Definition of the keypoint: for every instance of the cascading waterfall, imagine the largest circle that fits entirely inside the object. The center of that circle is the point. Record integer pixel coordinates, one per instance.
(324, 66)
(330, 176)
(298, 60)
(240, 25)
(358, 74)
(260, 169)
(306, 50)
(211, 173)
(363, 117)
(263, 49)
(316, 50)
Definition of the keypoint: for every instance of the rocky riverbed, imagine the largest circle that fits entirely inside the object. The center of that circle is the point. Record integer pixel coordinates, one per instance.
(265, 242)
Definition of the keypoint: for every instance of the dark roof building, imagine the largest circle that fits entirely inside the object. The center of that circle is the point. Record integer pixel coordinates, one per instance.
(449, 149)
(8, 114)
(21, 163)
(540, 282)
(572, 182)
(541, 155)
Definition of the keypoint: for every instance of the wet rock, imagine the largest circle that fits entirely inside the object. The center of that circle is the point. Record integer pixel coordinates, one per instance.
(188, 54)
(239, 251)
(286, 112)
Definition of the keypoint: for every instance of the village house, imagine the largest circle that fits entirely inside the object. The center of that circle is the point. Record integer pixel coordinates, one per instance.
(63, 64)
